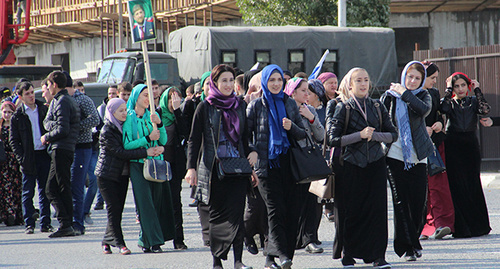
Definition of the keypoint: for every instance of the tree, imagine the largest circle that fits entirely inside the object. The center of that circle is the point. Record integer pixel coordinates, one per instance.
(314, 12)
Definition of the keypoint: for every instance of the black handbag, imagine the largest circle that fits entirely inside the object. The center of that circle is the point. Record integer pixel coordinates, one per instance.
(157, 170)
(308, 163)
(435, 164)
(230, 167)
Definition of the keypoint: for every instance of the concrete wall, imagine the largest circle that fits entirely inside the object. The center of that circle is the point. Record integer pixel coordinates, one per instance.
(84, 54)
(454, 29)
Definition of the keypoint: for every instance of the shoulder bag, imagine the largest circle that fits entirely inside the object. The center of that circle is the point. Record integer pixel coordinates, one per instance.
(307, 163)
(156, 170)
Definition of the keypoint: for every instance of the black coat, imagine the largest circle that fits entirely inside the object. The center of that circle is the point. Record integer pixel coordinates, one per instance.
(435, 116)
(363, 152)
(419, 106)
(112, 156)
(206, 116)
(62, 122)
(462, 114)
(258, 129)
(21, 137)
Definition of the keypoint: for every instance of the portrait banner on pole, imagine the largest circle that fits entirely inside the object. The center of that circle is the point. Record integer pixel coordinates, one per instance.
(142, 20)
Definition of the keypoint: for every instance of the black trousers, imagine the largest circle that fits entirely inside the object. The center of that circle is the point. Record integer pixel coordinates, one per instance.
(58, 187)
(114, 192)
(279, 193)
(409, 195)
(176, 188)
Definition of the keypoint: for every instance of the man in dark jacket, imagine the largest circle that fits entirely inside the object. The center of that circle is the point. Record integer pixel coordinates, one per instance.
(63, 125)
(25, 131)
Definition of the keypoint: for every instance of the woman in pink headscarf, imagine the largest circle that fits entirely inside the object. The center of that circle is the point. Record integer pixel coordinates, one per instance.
(330, 82)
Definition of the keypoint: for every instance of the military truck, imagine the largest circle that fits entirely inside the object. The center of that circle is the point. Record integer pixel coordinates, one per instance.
(129, 66)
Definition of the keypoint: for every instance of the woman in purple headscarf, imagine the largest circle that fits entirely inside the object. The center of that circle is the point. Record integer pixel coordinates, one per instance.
(112, 172)
(220, 119)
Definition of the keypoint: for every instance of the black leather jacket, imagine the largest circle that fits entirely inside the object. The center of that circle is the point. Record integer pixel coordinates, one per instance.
(62, 122)
(258, 126)
(21, 137)
(462, 114)
(419, 106)
(205, 116)
(112, 156)
(435, 116)
(364, 152)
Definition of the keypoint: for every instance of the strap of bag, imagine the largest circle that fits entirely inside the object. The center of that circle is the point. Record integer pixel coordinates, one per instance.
(379, 112)
(346, 123)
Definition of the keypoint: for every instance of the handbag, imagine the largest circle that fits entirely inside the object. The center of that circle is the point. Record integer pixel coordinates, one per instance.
(435, 164)
(324, 188)
(157, 170)
(230, 167)
(307, 163)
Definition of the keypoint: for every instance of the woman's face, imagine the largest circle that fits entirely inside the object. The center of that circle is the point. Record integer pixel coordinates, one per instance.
(413, 79)
(431, 81)
(143, 99)
(121, 113)
(206, 86)
(460, 88)
(7, 113)
(275, 83)
(225, 83)
(360, 83)
(331, 86)
(301, 93)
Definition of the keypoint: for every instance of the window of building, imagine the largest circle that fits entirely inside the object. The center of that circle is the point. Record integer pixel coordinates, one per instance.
(296, 61)
(26, 60)
(62, 60)
(229, 57)
(263, 57)
(331, 63)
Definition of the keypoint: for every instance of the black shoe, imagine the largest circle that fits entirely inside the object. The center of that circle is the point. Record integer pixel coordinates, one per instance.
(272, 266)
(286, 264)
(156, 249)
(206, 243)
(381, 263)
(418, 253)
(252, 248)
(99, 206)
(47, 229)
(145, 250)
(79, 232)
(348, 261)
(68, 231)
(29, 230)
(194, 203)
(180, 246)
(312, 248)
(410, 256)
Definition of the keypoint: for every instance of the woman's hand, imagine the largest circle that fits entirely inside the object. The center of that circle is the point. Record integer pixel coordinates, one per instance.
(304, 111)
(397, 88)
(176, 100)
(252, 158)
(191, 177)
(154, 135)
(155, 119)
(437, 127)
(429, 130)
(255, 179)
(475, 84)
(287, 124)
(449, 82)
(486, 122)
(367, 133)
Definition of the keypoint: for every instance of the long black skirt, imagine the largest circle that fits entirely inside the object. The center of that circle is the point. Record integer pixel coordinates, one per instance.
(463, 163)
(365, 196)
(226, 207)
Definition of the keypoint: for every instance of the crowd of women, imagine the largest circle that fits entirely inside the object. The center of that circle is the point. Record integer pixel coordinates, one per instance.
(370, 142)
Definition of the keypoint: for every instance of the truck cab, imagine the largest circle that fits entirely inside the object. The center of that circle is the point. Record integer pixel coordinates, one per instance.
(129, 66)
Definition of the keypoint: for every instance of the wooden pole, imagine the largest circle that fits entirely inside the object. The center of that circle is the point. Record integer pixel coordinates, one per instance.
(145, 56)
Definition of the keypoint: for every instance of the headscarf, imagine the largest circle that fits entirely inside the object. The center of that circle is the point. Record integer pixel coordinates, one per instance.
(291, 85)
(278, 140)
(132, 100)
(326, 76)
(430, 68)
(202, 82)
(111, 108)
(228, 105)
(10, 104)
(402, 117)
(167, 117)
(316, 86)
(345, 84)
(467, 80)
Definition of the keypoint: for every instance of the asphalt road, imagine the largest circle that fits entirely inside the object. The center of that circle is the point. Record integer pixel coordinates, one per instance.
(18, 250)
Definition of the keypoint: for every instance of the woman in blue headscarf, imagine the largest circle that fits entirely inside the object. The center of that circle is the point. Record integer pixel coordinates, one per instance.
(153, 200)
(408, 104)
(273, 119)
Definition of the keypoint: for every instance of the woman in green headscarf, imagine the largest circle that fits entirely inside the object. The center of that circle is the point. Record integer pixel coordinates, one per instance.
(205, 84)
(177, 129)
(153, 200)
